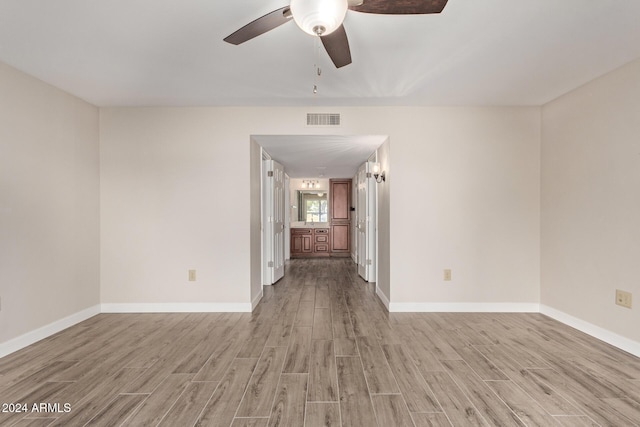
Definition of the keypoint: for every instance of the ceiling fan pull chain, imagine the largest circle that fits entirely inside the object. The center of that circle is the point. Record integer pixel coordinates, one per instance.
(318, 74)
(318, 71)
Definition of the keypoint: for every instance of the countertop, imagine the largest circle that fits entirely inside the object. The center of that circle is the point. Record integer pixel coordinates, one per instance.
(301, 224)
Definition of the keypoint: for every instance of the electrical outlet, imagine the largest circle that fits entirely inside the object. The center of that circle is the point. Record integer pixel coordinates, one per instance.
(192, 275)
(447, 275)
(623, 298)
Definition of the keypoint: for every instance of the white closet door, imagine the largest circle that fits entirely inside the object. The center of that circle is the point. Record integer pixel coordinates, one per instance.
(278, 220)
(365, 223)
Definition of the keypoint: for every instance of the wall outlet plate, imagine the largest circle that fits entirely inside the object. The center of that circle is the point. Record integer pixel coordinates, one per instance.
(623, 298)
(192, 275)
(447, 275)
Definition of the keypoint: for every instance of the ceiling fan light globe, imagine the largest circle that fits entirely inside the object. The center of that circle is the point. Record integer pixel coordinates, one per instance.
(314, 15)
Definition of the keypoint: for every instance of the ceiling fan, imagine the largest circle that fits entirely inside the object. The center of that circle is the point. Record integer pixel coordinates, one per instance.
(323, 18)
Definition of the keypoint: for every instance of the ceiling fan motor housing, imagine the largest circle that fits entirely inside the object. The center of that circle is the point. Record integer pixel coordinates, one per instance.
(318, 17)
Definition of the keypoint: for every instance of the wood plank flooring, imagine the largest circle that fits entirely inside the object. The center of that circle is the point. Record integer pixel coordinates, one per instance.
(320, 350)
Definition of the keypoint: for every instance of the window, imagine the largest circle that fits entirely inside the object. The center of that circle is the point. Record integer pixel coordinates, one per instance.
(315, 210)
(313, 206)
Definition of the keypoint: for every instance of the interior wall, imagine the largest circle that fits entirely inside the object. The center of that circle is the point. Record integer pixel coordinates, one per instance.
(591, 201)
(171, 186)
(465, 196)
(383, 221)
(49, 205)
(255, 201)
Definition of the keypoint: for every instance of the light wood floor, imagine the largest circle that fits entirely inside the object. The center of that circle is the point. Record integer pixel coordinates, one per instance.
(321, 350)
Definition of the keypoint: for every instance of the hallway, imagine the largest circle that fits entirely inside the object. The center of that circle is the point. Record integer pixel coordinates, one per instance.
(321, 350)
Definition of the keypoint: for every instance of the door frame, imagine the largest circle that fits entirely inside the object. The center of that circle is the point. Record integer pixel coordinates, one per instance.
(287, 217)
(256, 222)
(266, 251)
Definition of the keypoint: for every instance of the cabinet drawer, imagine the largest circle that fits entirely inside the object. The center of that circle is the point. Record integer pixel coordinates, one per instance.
(320, 247)
(301, 231)
(322, 231)
(322, 238)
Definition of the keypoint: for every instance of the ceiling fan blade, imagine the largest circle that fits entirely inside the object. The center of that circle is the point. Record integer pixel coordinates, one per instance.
(260, 26)
(337, 46)
(400, 7)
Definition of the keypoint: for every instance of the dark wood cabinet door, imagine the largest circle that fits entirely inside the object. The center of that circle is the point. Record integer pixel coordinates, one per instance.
(340, 237)
(340, 200)
(296, 244)
(307, 246)
(301, 241)
(340, 241)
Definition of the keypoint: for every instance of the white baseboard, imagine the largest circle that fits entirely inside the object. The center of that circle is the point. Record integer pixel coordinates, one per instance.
(382, 297)
(256, 300)
(34, 336)
(189, 307)
(602, 334)
(463, 307)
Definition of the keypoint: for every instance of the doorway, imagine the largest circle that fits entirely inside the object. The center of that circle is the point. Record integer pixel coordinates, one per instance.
(308, 156)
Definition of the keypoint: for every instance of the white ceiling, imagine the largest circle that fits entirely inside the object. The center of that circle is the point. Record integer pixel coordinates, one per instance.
(171, 53)
(320, 156)
(168, 52)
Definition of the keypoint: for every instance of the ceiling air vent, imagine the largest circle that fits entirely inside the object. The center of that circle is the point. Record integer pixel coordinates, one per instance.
(323, 119)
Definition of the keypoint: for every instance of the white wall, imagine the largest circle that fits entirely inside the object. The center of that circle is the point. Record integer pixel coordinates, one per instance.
(172, 182)
(383, 219)
(465, 197)
(49, 207)
(591, 201)
(255, 203)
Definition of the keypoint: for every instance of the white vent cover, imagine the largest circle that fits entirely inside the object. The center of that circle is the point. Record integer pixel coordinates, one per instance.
(323, 119)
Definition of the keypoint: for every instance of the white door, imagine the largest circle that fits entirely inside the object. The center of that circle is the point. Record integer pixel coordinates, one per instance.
(267, 224)
(366, 223)
(287, 217)
(361, 221)
(278, 220)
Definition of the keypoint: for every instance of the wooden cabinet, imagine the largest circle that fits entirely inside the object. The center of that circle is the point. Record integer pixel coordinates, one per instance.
(321, 241)
(335, 240)
(310, 242)
(340, 236)
(340, 221)
(340, 199)
(301, 241)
